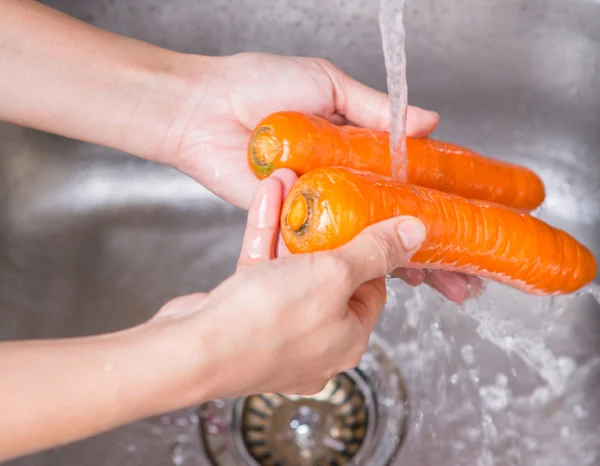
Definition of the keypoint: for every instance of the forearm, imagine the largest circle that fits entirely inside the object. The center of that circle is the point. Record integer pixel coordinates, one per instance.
(64, 76)
(58, 391)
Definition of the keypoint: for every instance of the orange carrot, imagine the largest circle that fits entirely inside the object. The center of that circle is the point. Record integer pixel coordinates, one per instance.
(329, 206)
(304, 142)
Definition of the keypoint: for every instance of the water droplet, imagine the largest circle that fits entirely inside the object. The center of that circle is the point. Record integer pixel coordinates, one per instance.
(177, 454)
(156, 430)
(473, 434)
(501, 380)
(580, 412)
(529, 443)
(182, 422)
(566, 366)
(219, 404)
(467, 354)
(489, 427)
(474, 376)
(494, 398)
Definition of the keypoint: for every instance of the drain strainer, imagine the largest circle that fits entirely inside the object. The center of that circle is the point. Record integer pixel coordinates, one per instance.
(357, 419)
(322, 430)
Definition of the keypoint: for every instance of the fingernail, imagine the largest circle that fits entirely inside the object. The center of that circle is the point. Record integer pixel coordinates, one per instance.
(412, 233)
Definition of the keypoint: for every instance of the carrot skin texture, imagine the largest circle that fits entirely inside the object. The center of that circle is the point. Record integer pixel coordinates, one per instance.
(304, 142)
(327, 207)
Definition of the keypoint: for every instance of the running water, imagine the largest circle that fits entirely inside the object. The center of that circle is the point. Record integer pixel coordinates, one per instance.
(505, 379)
(391, 22)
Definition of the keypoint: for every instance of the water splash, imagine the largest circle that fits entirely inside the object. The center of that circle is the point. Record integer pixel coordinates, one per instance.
(391, 23)
(506, 379)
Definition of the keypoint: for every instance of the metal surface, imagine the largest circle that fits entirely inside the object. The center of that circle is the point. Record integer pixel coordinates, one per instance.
(92, 241)
(360, 417)
(325, 429)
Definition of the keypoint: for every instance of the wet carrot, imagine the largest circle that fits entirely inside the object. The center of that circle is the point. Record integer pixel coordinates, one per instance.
(304, 142)
(329, 206)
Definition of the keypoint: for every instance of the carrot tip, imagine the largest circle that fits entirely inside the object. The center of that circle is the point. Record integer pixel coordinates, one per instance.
(264, 149)
(298, 213)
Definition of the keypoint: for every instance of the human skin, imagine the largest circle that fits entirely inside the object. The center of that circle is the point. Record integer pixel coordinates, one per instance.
(270, 327)
(195, 114)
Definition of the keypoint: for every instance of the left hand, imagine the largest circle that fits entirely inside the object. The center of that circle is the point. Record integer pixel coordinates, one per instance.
(232, 94)
(455, 287)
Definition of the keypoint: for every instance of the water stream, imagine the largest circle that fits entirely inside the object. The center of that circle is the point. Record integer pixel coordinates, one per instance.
(507, 379)
(391, 22)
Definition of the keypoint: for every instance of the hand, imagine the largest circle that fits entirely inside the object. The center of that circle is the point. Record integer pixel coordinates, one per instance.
(232, 94)
(195, 113)
(289, 324)
(453, 286)
(238, 91)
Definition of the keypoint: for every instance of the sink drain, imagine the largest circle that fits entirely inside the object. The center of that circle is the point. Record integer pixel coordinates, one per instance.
(322, 430)
(357, 419)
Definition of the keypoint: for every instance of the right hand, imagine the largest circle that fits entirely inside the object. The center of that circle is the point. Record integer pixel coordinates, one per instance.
(289, 324)
(227, 97)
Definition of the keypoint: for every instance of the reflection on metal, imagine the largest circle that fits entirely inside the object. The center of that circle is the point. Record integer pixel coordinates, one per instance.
(358, 418)
(325, 429)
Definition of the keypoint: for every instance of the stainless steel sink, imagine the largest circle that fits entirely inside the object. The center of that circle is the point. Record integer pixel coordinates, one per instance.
(93, 241)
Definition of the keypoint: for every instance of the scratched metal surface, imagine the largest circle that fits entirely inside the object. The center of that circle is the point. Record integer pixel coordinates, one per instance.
(91, 242)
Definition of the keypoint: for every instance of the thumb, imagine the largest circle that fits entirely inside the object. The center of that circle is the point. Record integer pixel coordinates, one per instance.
(370, 108)
(383, 247)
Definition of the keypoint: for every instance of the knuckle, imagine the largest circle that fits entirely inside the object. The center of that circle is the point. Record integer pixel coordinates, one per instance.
(344, 273)
(324, 63)
(384, 249)
(336, 268)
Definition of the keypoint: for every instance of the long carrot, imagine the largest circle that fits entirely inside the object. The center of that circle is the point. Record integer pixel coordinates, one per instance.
(329, 206)
(304, 142)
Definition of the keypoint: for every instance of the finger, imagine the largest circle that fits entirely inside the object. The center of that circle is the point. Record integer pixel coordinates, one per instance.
(412, 277)
(287, 178)
(454, 286)
(262, 227)
(368, 302)
(281, 248)
(381, 248)
(370, 108)
(476, 286)
(421, 122)
(337, 119)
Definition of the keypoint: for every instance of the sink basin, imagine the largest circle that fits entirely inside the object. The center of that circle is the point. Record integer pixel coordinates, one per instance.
(92, 241)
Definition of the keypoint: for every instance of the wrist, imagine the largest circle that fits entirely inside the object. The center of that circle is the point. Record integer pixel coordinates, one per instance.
(183, 369)
(169, 100)
(85, 83)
